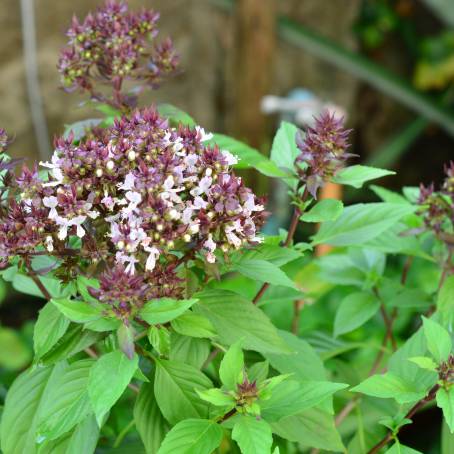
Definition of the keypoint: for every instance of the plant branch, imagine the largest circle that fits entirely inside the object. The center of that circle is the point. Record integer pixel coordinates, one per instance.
(36, 279)
(346, 410)
(89, 351)
(390, 435)
(228, 415)
(297, 307)
(290, 234)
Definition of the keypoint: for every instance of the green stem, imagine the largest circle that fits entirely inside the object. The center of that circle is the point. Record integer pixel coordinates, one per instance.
(123, 433)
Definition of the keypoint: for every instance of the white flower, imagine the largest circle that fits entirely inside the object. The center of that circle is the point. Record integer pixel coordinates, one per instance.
(211, 246)
(204, 136)
(199, 203)
(49, 242)
(128, 183)
(231, 236)
(170, 193)
(203, 186)
(55, 162)
(233, 239)
(131, 261)
(250, 205)
(134, 198)
(92, 214)
(178, 144)
(168, 183)
(194, 228)
(57, 174)
(166, 139)
(51, 202)
(65, 224)
(152, 257)
(78, 221)
(108, 201)
(191, 160)
(230, 158)
(187, 215)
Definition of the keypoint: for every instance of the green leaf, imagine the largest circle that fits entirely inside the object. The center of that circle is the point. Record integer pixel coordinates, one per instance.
(235, 318)
(438, 340)
(22, 407)
(73, 341)
(324, 210)
(398, 448)
(104, 324)
(164, 310)
(357, 175)
(284, 150)
(258, 371)
(275, 254)
(159, 337)
(263, 271)
(148, 419)
(82, 286)
(445, 301)
(445, 401)
(388, 196)
(77, 311)
(291, 397)
(25, 284)
(232, 367)
(193, 325)
(360, 223)
(108, 379)
(399, 365)
(175, 115)
(68, 403)
(252, 435)
(189, 350)
(248, 156)
(14, 351)
(192, 436)
(390, 385)
(447, 440)
(176, 385)
(303, 362)
(50, 326)
(354, 310)
(125, 337)
(218, 397)
(83, 439)
(424, 362)
(312, 428)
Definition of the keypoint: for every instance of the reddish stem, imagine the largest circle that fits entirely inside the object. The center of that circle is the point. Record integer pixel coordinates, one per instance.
(390, 435)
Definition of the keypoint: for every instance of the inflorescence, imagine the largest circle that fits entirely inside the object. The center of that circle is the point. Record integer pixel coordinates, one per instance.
(138, 196)
(437, 207)
(114, 45)
(323, 151)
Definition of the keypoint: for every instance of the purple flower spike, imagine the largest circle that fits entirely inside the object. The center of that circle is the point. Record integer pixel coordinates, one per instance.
(114, 45)
(323, 151)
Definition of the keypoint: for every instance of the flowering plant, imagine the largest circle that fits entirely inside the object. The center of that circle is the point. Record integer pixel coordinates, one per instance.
(172, 324)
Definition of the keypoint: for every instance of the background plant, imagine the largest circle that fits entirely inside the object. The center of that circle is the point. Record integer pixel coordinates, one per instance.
(161, 291)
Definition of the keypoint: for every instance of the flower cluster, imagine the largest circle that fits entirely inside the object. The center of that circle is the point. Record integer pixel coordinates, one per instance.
(323, 151)
(4, 141)
(446, 371)
(139, 196)
(437, 207)
(111, 46)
